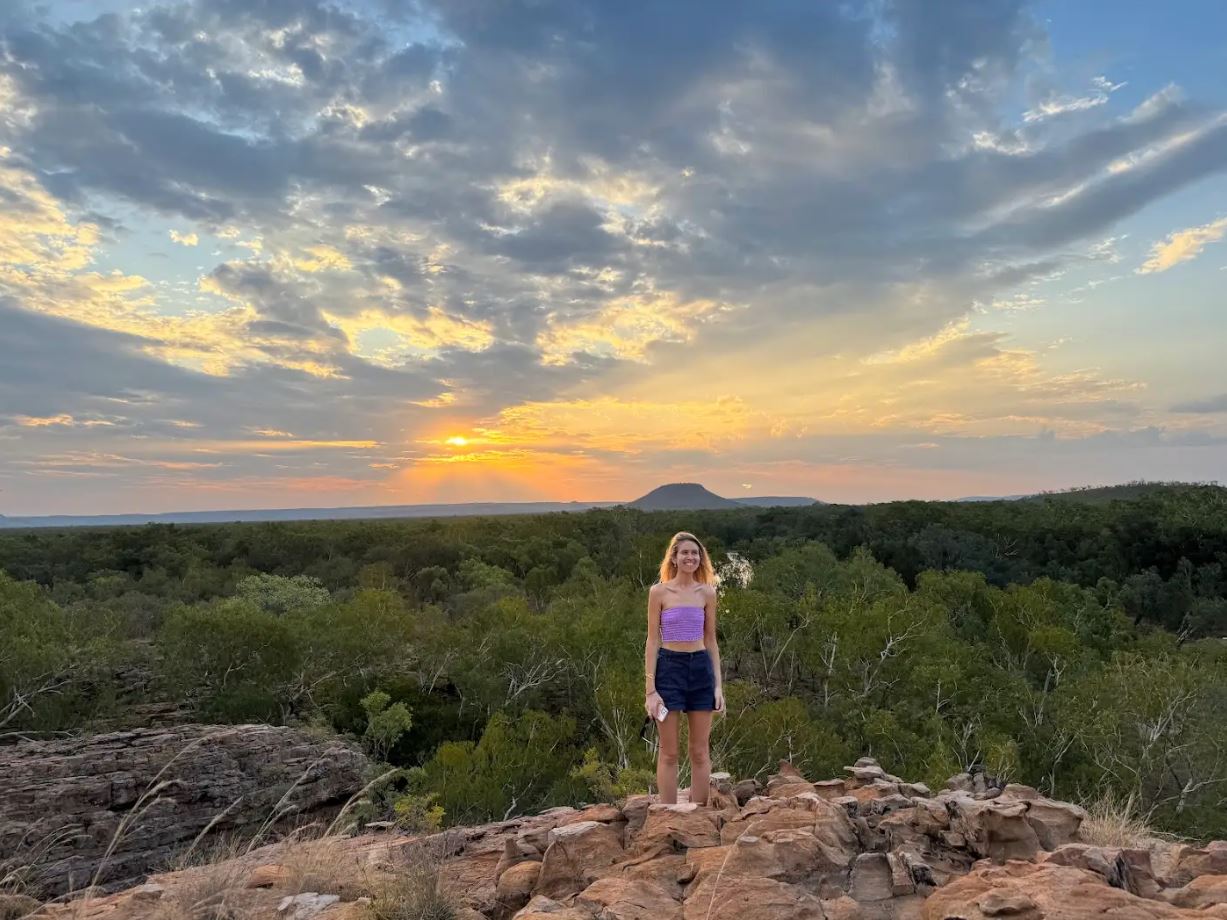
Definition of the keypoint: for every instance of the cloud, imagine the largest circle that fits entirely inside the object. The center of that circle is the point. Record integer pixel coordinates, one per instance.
(1209, 404)
(1062, 105)
(625, 328)
(530, 217)
(1182, 246)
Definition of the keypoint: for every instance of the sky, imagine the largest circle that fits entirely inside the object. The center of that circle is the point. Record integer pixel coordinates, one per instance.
(294, 253)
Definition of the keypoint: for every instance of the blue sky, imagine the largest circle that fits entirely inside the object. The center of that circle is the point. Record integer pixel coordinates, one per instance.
(309, 253)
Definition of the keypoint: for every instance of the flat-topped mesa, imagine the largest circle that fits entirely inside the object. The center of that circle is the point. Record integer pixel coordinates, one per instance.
(869, 846)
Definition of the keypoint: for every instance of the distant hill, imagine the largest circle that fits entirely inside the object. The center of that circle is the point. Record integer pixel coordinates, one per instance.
(1093, 495)
(298, 514)
(687, 496)
(1128, 491)
(674, 496)
(681, 496)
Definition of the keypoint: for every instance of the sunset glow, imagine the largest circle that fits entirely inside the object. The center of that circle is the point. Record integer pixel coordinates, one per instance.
(403, 253)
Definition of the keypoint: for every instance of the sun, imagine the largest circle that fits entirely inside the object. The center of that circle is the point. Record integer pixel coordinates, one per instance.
(457, 441)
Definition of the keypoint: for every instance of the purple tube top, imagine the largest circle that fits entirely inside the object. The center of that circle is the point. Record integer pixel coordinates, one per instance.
(681, 624)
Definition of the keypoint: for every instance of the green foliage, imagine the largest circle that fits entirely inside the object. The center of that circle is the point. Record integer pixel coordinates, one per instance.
(607, 782)
(56, 669)
(1067, 642)
(235, 656)
(520, 765)
(278, 594)
(385, 724)
(753, 740)
(418, 814)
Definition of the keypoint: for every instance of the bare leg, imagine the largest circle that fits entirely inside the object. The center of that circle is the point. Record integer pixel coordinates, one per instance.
(666, 759)
(700, 756)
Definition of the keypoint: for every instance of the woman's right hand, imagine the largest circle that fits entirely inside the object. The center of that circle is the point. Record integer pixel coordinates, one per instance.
(652, 704)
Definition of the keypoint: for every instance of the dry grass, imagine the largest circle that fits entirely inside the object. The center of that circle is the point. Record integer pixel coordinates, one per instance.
(1115, 822)
(413, 893)
(17, 906)
(208, 880)
(209, 892)
(325, 865)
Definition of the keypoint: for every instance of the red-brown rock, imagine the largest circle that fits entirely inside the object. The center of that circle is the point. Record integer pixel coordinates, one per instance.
(676, 827)
(751, 899)
(629, 899)
(578, 854)
(1042, 891)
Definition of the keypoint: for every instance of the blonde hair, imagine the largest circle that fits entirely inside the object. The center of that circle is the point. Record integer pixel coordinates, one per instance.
(705, 573)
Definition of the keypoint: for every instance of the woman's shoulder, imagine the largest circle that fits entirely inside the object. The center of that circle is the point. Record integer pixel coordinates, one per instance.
(709, 591)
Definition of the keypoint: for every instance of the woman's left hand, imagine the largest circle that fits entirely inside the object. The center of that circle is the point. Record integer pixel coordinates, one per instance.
(719, 700)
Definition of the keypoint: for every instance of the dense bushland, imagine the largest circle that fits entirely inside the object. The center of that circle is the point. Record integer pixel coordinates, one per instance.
(1068, 644)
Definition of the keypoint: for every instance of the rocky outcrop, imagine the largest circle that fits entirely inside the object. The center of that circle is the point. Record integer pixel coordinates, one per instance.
(867, 847)
(146, 794)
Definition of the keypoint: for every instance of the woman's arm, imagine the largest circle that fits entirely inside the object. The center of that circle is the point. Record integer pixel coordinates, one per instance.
(709, 640)
(649, 653)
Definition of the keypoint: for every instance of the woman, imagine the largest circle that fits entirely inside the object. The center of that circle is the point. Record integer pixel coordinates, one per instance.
(682, 663)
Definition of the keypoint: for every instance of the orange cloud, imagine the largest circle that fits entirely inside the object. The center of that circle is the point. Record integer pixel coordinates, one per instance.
(1183, 246)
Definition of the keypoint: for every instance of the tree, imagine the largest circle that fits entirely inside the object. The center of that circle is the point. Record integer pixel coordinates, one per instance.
(520, 764)
(234, 660)
(385, 724)
(279, 594)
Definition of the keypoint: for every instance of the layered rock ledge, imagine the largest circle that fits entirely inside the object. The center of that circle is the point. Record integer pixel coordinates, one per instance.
(146, 794)
(866, 847)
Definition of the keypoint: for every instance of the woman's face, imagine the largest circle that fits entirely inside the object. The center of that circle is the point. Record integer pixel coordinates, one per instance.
(687, 556)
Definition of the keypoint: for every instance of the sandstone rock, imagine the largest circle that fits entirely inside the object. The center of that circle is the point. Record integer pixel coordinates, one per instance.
(961, 782)
(751, 899)
(831, 788)
(515, 886)
(1202, 892)
(828, 822)
(875, 854)
(1054, 823)
(792, 856)
(577, 856)
(867, 770)
(675, 827)
(543, 908)
(629, 899)
(471, 855)
(1042, 891)
(788, 771)
(635, 810)
(268, 876)
(607, 814)
(1188, 863)
(1121, 868)
(517, 850)
(1005, 903)
(788, 781)
(879, 877)
(72, 795)
(993, 829)
(150, 891)
(671, 871)
(306, 905)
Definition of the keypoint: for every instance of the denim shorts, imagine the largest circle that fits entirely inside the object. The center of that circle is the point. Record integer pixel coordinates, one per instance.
(686, 681)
